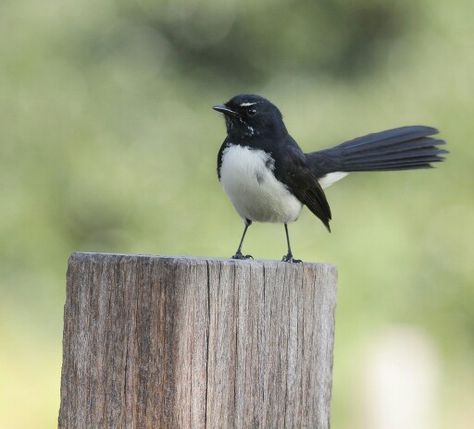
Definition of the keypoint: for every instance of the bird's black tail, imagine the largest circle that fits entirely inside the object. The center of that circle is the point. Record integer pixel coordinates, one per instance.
(404, 148)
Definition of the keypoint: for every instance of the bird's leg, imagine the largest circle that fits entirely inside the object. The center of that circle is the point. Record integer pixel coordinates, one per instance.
(289, 257)
(238, 254)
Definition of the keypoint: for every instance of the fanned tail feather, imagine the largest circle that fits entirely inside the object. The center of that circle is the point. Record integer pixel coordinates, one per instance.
(404, 148)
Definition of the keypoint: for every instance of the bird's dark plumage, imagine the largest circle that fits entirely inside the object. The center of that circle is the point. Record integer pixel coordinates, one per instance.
(269, 134)
(404, 148)
(292, 169)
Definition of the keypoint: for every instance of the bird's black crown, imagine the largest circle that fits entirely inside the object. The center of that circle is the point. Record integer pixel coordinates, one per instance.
(249, 115)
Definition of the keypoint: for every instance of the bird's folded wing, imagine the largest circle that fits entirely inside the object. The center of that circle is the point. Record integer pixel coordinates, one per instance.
(296, 174)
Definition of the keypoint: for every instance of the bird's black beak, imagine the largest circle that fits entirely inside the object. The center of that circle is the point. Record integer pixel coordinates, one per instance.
(224, 109)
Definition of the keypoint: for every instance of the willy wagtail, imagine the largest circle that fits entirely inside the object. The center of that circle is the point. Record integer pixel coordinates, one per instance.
(268, 178)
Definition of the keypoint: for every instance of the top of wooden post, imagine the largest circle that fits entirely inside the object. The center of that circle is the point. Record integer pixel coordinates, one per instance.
(78, 256)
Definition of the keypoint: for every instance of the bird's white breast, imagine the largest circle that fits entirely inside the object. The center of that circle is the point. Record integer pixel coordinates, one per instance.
(247, 177)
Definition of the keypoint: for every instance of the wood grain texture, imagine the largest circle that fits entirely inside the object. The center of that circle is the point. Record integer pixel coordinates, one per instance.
(161, 342)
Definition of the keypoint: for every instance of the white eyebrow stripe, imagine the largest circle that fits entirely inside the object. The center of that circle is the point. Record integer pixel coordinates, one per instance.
(247, 104)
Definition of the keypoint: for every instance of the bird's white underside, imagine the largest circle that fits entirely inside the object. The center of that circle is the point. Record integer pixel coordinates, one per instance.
(248, 180)
(331, 178)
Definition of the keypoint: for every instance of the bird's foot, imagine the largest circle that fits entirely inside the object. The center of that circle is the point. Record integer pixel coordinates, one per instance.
(239, 255)
(289, 258)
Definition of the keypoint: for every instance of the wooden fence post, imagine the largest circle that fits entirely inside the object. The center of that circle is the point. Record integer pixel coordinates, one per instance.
(164, 342)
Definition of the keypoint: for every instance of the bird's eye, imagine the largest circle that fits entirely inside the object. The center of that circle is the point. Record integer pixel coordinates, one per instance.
(251, 111)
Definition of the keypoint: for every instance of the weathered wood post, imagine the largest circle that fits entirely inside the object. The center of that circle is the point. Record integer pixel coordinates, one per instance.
(162, 342)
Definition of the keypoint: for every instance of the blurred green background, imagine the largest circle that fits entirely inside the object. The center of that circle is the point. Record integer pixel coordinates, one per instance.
(108, 143)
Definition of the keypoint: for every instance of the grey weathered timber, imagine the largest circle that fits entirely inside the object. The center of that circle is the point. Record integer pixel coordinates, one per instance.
(171, 342)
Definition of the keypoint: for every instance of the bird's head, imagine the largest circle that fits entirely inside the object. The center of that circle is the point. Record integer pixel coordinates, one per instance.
(248, 115)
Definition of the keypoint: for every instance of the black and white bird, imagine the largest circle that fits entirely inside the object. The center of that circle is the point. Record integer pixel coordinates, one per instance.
(268, 178)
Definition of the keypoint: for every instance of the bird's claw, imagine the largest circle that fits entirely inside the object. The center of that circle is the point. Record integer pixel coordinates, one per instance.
(239, 255)
(289, 258)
